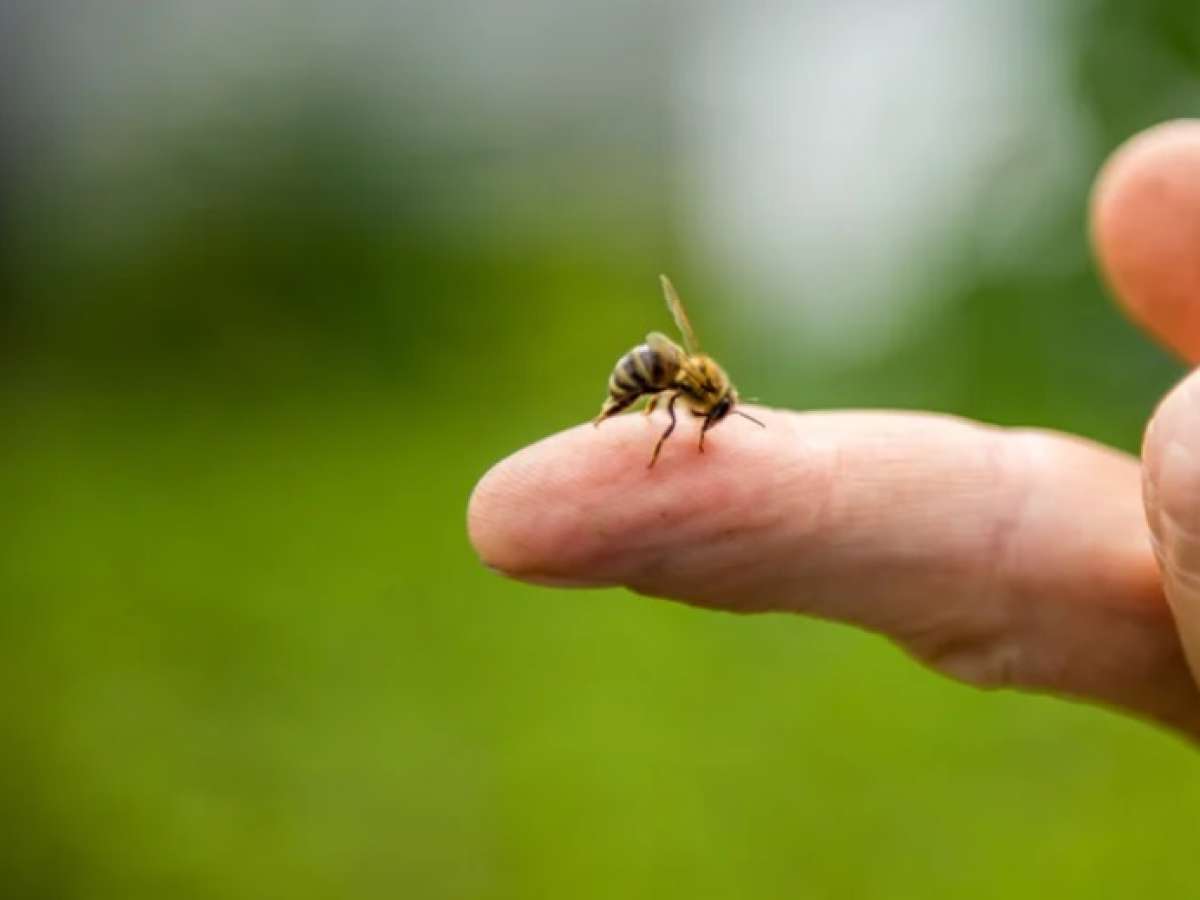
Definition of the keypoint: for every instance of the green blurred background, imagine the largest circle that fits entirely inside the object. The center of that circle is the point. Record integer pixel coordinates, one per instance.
(278, 282)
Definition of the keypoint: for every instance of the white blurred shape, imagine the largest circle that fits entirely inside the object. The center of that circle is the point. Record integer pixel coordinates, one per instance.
(831, 153)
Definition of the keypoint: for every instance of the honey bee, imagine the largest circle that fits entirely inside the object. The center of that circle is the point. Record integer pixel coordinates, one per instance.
(661, 368)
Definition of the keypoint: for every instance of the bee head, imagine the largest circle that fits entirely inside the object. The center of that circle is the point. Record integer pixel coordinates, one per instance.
(724, 405)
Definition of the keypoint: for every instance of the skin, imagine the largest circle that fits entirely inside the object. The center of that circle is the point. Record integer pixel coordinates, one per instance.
(1004, 558)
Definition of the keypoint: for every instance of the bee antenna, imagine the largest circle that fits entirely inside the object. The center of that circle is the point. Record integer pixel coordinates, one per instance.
(751, 418)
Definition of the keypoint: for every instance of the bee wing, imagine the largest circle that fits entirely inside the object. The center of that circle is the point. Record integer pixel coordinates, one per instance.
(676, 306)
(663, 345)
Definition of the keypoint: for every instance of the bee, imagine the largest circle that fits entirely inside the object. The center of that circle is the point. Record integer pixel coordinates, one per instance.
(660, 368)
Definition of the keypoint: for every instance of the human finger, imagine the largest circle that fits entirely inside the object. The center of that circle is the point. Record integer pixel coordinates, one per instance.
(1145, 222)
(1000, 557)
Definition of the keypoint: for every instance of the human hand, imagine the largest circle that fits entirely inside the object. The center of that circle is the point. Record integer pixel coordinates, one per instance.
(1004, 558)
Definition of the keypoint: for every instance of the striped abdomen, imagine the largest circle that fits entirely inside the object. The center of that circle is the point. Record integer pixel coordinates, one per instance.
(643, 370)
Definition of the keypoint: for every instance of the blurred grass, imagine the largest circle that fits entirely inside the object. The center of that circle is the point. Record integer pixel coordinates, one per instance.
(250, 372)
(257, 649)
(252, 654)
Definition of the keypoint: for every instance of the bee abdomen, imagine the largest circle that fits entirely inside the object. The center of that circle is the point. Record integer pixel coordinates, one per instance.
(641, 371)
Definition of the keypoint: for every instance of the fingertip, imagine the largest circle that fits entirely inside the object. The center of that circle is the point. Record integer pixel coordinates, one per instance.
(1145, 225)
(533, 515)
(584, 508)
(512, 522)
(483, 529)
(1171, 480)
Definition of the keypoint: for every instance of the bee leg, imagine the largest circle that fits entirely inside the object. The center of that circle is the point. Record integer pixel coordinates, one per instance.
(612, 407)
(651, 405)
(709, 422)
(666, 434)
